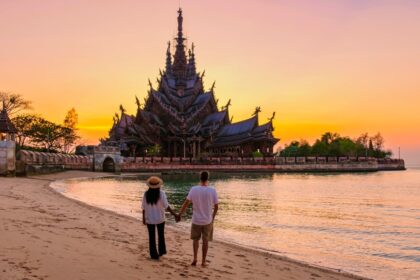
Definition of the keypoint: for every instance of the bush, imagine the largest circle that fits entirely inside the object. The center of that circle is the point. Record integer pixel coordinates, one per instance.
(257, 154)
(154, 150)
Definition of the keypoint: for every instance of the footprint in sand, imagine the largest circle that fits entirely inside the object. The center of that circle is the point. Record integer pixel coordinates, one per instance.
(286, 268)
(228, 266)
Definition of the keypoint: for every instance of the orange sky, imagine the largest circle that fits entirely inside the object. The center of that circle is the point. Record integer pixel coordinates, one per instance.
(348, 66)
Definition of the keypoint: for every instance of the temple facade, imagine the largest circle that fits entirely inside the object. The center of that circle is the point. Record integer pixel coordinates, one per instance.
(180, 118)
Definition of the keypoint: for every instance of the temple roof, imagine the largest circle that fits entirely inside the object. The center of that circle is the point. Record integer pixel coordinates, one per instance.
(239, 127)
(263, 128)
(215, 117)
(125, 121)
(202, 98)
(151, 117)
(244, 131)
(6, 126)
(120, 127)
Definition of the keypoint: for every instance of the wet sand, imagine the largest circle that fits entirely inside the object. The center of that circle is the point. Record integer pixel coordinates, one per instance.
(44, 235)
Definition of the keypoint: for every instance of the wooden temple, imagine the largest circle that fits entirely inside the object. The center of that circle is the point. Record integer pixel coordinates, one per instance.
(182, 119)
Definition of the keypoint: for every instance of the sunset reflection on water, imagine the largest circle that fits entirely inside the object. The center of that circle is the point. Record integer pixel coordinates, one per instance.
(364, 223)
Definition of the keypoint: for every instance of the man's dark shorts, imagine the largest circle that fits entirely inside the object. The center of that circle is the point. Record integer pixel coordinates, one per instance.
(202, 231)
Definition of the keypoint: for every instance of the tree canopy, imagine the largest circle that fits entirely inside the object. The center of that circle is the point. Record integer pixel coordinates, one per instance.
(332, 144)
(37, 133)
(14, 103)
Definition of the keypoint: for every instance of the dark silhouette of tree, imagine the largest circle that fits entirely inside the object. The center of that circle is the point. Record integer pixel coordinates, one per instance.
(70, 134)
(48, 135)
(24, 124)
(14, 103)
(329, 137)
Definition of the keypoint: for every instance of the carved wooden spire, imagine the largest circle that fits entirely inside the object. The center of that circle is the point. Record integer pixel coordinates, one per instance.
(227, 105)
(169, 59)
(179, 66)
(192, 71)
(272, 117)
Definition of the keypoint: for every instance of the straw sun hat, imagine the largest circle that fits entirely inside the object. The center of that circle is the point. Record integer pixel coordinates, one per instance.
(154, 182)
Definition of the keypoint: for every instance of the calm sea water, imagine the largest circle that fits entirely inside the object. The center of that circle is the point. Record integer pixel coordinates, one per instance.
(363, 223)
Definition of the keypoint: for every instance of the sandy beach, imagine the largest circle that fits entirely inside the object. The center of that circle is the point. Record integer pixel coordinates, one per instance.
(44, 235)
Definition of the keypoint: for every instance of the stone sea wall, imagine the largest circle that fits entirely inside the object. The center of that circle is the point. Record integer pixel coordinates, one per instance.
(107, 160)
(29, 162)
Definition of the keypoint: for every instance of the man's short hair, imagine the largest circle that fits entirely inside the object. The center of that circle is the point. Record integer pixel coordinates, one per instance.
(204, 176)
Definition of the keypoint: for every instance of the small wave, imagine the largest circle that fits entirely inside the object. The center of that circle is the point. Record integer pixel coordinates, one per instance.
(413, 258)
(411, 248)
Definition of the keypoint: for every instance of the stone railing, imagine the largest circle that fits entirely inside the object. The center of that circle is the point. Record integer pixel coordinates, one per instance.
(130, 164)
(257, 160)
(202, 161)
(326, 160)
(106, 149)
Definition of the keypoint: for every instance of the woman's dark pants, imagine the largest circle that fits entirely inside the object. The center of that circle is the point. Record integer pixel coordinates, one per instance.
(154, 254)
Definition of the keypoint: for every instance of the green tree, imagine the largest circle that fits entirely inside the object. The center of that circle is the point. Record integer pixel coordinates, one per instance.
(377, 142)
(320, 148)
(347, 147)
(329, 137)
(370, 148)
(291, 149)
(70, 134)
(304, 149)
(48, 135)
(332, 144)
(24, 124)
(363, 139)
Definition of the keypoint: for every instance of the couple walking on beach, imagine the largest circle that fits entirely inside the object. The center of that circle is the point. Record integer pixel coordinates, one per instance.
(205, 205)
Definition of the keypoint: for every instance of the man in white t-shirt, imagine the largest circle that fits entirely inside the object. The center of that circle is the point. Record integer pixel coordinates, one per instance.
(205, 206)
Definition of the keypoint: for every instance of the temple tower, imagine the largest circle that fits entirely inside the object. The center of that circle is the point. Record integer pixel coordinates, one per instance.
(179, 66)
(180, 118)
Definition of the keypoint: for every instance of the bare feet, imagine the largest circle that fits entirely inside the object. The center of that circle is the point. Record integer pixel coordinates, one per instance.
(194, 263)
(204, 265)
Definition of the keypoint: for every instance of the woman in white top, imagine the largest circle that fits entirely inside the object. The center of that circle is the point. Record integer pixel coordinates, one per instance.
(154, 205)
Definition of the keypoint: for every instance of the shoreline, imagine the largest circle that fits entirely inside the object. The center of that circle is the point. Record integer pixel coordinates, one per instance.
(171, 225)
(237, 266)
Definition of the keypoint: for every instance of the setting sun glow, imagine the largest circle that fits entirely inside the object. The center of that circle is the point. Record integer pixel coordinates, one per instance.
(345, 66)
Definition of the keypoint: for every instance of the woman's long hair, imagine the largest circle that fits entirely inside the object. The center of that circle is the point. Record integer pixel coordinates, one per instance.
(152, 196)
